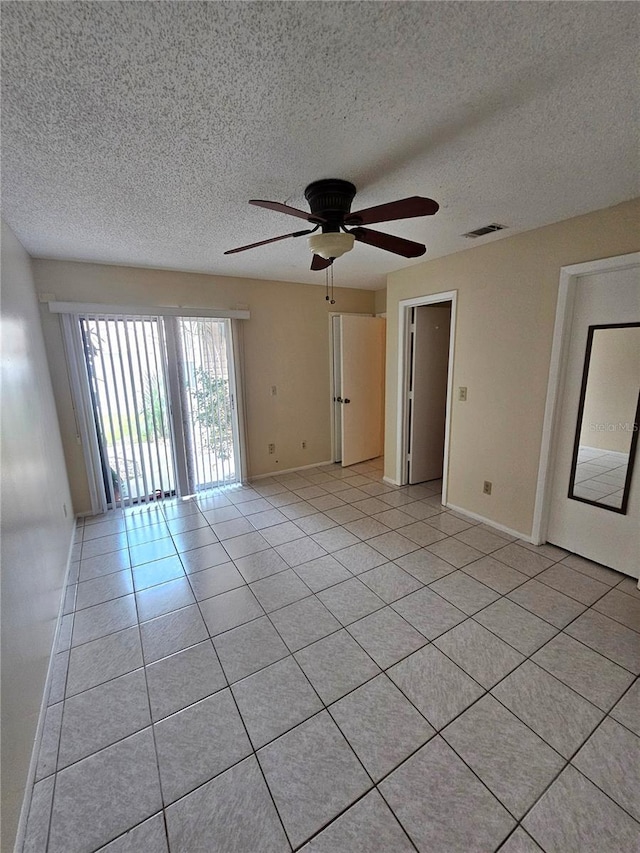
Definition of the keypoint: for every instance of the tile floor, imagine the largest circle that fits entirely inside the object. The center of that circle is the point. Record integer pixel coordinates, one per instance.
(600, 475)
(325, 663)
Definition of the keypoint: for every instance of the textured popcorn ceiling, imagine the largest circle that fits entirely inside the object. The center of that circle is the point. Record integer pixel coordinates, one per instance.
(136, 132)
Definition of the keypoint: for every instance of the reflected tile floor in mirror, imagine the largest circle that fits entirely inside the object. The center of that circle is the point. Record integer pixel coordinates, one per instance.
(600, 475)
(322, 662)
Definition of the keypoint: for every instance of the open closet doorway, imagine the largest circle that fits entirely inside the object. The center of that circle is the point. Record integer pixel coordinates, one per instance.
(426, 334)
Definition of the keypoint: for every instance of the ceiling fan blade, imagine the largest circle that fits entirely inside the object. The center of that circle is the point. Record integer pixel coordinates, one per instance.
(284, 208)
(397, 245)
(272, 240)
(404, 208)
(320, 263)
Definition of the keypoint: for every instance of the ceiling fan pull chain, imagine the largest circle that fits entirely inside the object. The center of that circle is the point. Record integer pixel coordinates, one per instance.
(333, 301)
(326, 283)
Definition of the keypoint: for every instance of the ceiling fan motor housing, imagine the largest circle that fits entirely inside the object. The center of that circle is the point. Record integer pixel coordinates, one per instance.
(330, 199)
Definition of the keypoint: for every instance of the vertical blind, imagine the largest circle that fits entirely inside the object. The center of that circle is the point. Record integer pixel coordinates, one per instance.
(127, 381)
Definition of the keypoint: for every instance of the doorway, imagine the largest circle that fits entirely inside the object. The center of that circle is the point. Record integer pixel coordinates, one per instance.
(426, 331)
(160, 410)
(429, 329)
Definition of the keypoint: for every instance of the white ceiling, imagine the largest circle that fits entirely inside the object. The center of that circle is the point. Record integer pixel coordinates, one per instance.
(136, 132)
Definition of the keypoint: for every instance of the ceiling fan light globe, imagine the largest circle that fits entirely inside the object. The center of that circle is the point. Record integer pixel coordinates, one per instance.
(332, 244)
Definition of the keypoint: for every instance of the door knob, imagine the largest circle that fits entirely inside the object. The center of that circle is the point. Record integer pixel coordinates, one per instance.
(338, 399)
(347, 400)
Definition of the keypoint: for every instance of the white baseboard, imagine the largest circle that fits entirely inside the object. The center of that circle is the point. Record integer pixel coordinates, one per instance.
(31, 774)
(390, 481)
(289, 470)
(525, 536)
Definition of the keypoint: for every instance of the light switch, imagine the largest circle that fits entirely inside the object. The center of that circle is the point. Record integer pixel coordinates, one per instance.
(462, 393)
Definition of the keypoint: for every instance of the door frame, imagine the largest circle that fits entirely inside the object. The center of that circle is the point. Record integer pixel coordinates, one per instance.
(567, 289)
(402, 407)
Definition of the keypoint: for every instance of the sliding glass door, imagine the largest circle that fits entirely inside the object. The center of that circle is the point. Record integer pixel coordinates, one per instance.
(161, 395)
(204, 359)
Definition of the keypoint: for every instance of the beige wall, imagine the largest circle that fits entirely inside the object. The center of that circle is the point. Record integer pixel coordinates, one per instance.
(612, 389)
(507, 293)
(286, 344)
(35, 533)
(380, 301)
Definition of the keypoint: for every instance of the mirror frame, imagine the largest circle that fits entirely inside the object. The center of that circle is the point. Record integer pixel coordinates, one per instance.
(622, 509)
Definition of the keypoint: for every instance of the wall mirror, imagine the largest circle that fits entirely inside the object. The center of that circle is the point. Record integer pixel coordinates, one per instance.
(607, 427)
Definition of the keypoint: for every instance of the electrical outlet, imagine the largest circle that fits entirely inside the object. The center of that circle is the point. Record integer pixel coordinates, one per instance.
(272, 449)
(462, 394)
(304, 445)
(274, 390)
(486, 489)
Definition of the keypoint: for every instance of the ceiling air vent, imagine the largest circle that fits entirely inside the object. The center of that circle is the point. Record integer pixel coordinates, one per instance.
(487, 229)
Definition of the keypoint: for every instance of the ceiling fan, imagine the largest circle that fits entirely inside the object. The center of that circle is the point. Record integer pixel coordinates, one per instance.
(330, 211)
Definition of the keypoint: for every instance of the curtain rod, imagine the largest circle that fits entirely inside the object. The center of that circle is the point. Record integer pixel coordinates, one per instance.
(100, 310)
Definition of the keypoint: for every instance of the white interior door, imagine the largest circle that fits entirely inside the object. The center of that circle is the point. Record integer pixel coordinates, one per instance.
(607, 537)
(428, 391)
(337, 389)
(362, 383)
